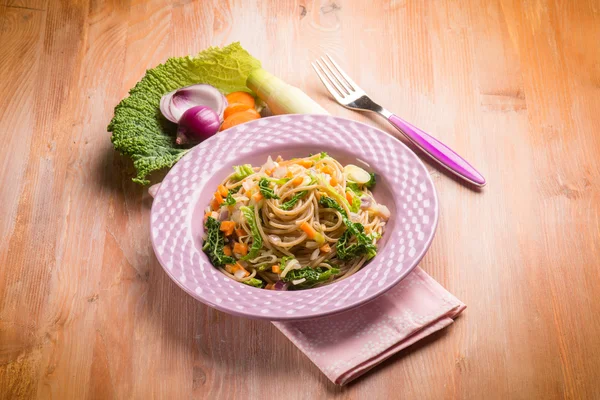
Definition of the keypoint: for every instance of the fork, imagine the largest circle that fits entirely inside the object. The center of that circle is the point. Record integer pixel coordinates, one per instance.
(348, 94)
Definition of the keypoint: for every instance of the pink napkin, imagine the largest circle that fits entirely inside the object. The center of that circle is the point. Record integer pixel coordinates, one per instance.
(349, 344)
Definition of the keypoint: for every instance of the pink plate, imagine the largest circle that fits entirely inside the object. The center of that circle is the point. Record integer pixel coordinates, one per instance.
(403, 184)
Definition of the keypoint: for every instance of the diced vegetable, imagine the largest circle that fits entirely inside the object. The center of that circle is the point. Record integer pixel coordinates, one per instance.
(325, 248)
(227, 250)
(298, 181)
(219, 198)
(311, 233)
(223, 190)
(227, 227)
(240, 248)
(276, 269)
(308, 229)
(305, 163)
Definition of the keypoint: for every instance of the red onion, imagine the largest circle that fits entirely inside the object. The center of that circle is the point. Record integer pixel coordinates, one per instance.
(280, 285)
(365, 202)
(223, 214)
(196, 124)
(175, 103)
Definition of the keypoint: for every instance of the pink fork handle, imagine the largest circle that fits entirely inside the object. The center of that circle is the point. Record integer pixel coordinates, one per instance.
(438, 151)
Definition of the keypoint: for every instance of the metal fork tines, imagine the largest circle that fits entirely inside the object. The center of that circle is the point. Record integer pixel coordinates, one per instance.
(343, 89)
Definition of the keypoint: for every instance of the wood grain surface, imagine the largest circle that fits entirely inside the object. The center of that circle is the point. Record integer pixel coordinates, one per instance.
(86, 311)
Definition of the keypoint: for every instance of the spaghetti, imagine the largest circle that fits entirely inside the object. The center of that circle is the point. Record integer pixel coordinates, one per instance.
(294, 224)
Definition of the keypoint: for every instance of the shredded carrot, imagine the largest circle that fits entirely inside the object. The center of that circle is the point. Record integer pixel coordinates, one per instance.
(276, 269)
(227, 250)
(325, 248)
(214, 205)
(298, 181)
(227, 227)
(305, 163)
(240, 232)
(240, 248)
(270, 286)
(223, 190)
(349, 197)
(219, 198)
(309, 230)
(333, 181)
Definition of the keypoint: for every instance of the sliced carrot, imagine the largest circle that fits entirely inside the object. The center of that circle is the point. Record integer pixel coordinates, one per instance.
(325, 248)
(276, 269)
(239, 118)
(227, 250)
(240, 248)
(214, 205)
(349, 197)
(333, 181)
(219, 198)
(240, 232)
(229, 268)
(289, 174)
(227, 227)
(269, 172)
(241, 98)
(309, 230)
(270, 286)
(298, 181)
(223, 190)
(234, 108)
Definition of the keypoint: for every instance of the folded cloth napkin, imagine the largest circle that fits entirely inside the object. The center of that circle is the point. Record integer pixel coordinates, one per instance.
(346, 345)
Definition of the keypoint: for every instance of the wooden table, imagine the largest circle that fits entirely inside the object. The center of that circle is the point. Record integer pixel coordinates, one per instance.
(86, 311)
